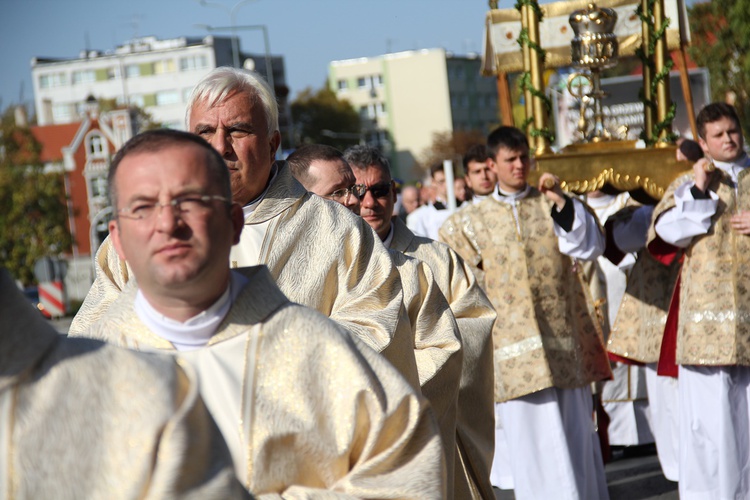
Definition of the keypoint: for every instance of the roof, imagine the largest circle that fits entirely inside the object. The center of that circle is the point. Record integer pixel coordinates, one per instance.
(54, 138)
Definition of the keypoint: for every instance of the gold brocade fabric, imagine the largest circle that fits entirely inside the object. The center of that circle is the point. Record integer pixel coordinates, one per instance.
(714, 317)
(437, 346)
(475, 424)
(320, 254)
(639, 326)
(545, 334)
(314, 412)
(82, 419)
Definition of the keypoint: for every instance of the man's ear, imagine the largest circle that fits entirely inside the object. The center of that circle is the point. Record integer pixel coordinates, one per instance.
(703, 145)
(114, 234)
(238, 221)
(275, 142)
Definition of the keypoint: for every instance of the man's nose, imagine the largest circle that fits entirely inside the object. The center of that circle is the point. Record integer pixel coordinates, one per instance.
(222, 142)
(167, 218)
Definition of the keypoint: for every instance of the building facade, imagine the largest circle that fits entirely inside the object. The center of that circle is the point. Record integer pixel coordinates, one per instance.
(405, 98)
(155, 75)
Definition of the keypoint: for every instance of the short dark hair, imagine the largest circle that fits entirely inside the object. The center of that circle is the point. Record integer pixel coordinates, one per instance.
(436, 167)
(508, 138)
(156, 140)
(715, 112)
(477, 153)
(299, 161)
(360, 157)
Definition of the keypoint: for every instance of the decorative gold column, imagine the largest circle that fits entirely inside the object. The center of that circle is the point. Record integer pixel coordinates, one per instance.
(539, 143)
(663, 97)
(648, 118)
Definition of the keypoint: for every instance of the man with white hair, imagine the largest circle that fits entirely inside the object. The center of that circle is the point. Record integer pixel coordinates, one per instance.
(304, 409)
(320, 254)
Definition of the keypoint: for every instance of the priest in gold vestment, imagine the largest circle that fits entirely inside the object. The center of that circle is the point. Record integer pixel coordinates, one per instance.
(470, 306)
(704, 216)
(319, 254)
(547, 343)
(304, 409)
(76, 422)
(323, 171)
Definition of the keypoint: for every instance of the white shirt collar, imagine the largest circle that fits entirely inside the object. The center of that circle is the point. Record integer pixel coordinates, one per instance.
(389, 239)
(196, 331)
(504, 197)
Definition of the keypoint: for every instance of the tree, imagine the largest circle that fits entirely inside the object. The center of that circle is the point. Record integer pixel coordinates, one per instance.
(142, 119)
(450, 146)
(33, 212)
(720, 32)
(321, 118)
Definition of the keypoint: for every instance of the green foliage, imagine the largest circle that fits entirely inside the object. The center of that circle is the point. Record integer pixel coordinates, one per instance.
(321, 118)
(33, 212)
(720, 32)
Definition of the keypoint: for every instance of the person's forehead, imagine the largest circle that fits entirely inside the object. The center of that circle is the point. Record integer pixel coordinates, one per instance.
(191, 157)
(235, 107)
(330, 170)
(723, 123)
(475, 165)
(512, 152)
(373, 174)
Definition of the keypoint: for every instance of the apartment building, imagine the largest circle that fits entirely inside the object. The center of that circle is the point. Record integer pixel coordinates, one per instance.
(156, 75)
(405, 97)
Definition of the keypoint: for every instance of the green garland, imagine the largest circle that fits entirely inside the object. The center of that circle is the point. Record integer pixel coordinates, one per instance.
(646, 55)
(525, 80)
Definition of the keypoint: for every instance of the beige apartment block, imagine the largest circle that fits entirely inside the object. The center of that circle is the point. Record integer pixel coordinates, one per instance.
(404, 98)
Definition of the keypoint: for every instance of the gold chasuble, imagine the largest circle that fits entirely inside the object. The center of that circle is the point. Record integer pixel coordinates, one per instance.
(475, 417)
(319, 253)
(714, 319)
(640, 322)
(437, 347)
(82, 419)
(546, 334)
(303, 406)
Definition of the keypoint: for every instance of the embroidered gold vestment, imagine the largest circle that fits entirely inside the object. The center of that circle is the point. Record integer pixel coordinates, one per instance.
(82, 419)
(306, 408)
(714, 317)
(475, 418)
(319, 253)
(546, 334)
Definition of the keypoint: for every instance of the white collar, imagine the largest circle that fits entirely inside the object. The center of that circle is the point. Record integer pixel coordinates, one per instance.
(196, 331)
(511, 198)
(389, 239)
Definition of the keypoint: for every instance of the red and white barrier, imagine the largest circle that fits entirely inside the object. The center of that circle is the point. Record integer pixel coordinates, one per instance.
(51, 297)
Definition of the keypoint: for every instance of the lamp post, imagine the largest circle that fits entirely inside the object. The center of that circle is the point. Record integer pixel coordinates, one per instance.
(232, 21)
(266, 46)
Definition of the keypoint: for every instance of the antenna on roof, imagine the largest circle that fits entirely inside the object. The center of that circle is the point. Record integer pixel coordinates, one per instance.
(86, 43)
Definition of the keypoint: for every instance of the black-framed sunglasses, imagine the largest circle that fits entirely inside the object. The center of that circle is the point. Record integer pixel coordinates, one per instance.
(379, 190)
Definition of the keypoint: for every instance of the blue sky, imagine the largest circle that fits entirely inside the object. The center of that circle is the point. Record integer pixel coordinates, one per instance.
(308, 34)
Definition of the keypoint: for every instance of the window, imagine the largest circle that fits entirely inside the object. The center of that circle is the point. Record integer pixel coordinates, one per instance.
(113, 73)
(167, 97)
(132, 70)
(363, 112)
(137, 100)
(343, 84)
(164, 66)
(380, 109)
(362, 82)
(62, 112)
(98, 186)
(84, 76)
(377, 81)
(96, 145)
(193, 62)
(52, 80)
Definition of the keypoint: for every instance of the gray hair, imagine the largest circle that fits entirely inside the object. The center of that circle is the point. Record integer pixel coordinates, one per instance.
(224, 81)
(361, 157)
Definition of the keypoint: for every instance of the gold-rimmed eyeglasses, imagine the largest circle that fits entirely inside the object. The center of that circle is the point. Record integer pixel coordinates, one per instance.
(342, 195)
(186, 206)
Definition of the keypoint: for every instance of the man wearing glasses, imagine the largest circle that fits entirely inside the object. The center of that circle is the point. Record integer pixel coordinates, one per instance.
(473, 312)
(302, 405)
(323, 170)
(319, 254)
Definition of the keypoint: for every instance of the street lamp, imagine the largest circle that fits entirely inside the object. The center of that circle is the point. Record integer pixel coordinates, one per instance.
(266, 47)
(232, 21)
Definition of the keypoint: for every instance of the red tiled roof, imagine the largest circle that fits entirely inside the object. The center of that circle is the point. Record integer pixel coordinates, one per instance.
(53, 138)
